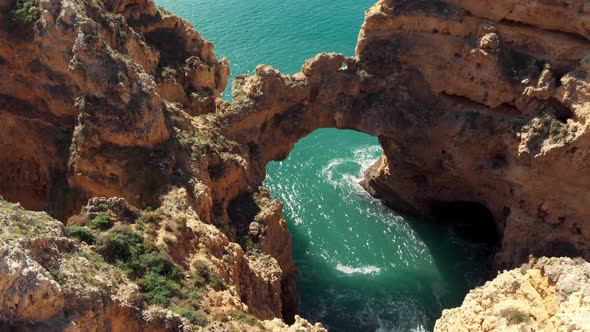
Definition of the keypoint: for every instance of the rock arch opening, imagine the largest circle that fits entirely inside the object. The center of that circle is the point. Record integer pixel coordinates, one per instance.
(363, 266)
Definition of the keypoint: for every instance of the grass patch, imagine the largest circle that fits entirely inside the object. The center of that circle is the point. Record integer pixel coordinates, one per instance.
(17, 223)
(246, 318)
(196, 317)
(557, 131)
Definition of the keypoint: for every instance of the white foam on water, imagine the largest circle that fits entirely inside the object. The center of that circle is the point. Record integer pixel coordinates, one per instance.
(358, 270)
(364, 157)
(419, 328)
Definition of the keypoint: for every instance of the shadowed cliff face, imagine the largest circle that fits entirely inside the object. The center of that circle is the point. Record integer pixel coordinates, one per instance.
(477, 102)
(80, 104)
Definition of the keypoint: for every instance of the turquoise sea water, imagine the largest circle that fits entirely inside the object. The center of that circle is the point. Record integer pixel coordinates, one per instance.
(362, 266)
(282, 34)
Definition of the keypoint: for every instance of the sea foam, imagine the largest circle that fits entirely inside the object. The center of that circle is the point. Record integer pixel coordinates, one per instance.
(358, 270)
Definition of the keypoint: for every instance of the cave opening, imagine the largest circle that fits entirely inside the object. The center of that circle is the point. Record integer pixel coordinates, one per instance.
(469, 220)
(361, 265)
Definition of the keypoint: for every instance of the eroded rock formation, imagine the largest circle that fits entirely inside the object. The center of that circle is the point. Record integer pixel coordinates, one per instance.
(512, 132)
(51, 283)
(82, 98)
(480, 102)
(466, 109)
(546, 294)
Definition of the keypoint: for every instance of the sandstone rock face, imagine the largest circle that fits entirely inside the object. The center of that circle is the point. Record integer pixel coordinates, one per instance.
(504, 125)
(572, 16)
(300, 325)
(547, 294)
(86, 82)
(52, 283)
(466, 110)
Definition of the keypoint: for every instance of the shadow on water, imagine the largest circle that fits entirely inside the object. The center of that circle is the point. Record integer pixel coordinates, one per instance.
(462, 238)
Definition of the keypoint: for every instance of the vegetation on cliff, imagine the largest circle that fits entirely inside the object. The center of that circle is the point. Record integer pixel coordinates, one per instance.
(26, 11)
(162, 281)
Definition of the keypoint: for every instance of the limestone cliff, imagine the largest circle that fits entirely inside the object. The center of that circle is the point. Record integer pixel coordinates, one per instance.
(99, 98)
(480, 102)
(506, 124)
(56, 280)
(82, 97)
(547, 294)
(466, 110)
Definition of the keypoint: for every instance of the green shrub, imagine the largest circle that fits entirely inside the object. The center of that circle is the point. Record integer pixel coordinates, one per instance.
(26, 11)
(148, 216)
(155, 272)
(248, 244)
(168, 72)
(80, 233)
(121, 77)
(120, 243)
(152, 262)
(245, 318)
(159, 278)
(101, 222)
(158, 289)
(196, 317)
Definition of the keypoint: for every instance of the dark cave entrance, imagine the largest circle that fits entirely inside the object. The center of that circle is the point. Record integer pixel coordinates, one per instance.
(469, 220)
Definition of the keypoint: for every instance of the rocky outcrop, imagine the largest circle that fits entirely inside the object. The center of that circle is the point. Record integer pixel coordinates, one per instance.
(51, 283)
(466, 110)
(546, 294)
(505, 128)
(83, 85)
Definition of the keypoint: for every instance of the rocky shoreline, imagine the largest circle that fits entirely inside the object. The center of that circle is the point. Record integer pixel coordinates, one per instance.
(111, 122)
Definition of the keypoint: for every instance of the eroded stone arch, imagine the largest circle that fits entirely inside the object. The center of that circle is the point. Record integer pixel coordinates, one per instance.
(466, 109)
